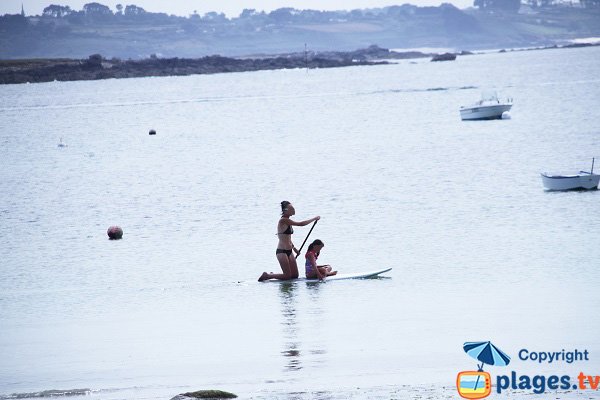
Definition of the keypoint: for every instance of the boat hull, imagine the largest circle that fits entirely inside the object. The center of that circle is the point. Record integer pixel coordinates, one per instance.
(484, 112)
(570, 182)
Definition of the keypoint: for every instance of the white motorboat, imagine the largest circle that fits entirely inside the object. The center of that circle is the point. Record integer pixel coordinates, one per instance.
(489, 107)
(582, 181)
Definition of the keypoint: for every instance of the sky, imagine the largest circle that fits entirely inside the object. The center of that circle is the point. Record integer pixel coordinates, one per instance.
(230, 7)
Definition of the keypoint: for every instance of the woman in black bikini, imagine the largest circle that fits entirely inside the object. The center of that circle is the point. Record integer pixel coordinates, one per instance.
(286, 259)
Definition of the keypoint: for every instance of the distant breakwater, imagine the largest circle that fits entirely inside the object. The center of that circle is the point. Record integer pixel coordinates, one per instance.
(96, 67)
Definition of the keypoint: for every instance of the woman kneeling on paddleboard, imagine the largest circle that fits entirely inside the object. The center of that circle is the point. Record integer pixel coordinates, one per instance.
(314, 271)
(284, 255)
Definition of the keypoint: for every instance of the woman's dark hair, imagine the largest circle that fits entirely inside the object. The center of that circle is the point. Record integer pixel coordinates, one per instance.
(316, 242)
(284, 205)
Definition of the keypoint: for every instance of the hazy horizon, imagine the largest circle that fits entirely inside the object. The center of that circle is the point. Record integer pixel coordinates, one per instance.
(231, 9)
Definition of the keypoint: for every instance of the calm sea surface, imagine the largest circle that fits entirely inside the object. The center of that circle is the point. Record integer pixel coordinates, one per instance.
(479, 250)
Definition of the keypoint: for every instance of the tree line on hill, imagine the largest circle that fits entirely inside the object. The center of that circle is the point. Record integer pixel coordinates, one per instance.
(60, 20)
(98, 12)
(131, 31)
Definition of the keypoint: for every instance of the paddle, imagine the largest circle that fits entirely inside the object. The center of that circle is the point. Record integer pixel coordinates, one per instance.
(303, 243)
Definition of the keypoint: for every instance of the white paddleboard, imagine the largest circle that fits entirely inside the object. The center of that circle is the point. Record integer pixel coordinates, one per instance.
(337, 277)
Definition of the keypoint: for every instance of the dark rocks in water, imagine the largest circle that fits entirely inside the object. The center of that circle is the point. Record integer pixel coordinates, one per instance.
(115, 232)
(95, 60)
(375, 52)
(444, 57)
(403, 55)
(97, 67)
(574, 45)
(370, 53)
(152, 132)
(205, 394)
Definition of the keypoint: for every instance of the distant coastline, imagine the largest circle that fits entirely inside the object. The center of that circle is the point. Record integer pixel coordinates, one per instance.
(96, 67)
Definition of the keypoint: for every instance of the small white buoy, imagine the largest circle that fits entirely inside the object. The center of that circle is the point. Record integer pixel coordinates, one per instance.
(506, 115)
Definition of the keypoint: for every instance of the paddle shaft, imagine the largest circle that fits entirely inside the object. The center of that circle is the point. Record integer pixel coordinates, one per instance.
(303, 243)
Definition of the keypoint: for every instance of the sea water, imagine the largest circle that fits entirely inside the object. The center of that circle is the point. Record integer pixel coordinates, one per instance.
(479, 250)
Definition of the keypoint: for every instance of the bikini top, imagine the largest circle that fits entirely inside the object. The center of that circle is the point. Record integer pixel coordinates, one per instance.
(288, 231)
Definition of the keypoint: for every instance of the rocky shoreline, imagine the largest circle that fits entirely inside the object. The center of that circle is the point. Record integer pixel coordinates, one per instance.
(96, 67)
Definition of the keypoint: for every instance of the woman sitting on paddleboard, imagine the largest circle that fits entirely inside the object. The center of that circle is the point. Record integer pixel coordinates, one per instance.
(284, 255)
(314, 271)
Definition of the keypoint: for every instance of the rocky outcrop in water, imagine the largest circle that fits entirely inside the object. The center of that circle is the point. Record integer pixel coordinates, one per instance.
(205, 394)
(96, 67)
(444, 57)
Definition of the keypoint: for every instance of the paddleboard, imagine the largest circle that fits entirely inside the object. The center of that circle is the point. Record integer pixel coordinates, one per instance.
(337, 277)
